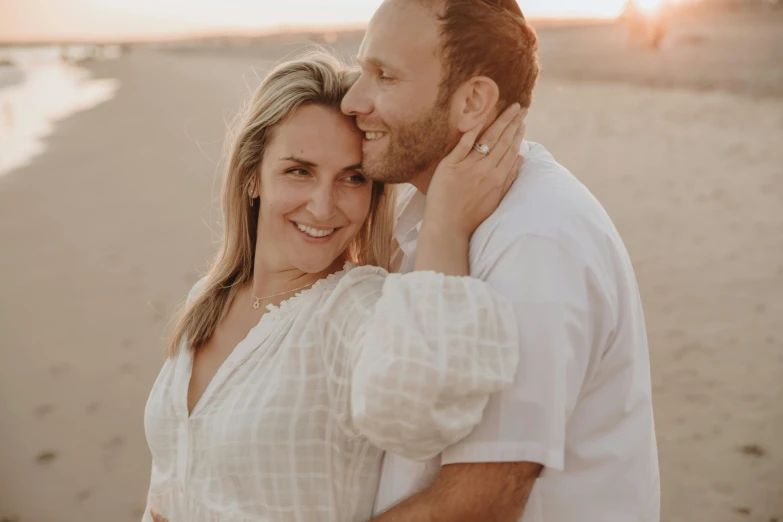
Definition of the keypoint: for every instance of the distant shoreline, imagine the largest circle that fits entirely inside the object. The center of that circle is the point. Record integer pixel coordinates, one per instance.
(43, 94)
(272, 31)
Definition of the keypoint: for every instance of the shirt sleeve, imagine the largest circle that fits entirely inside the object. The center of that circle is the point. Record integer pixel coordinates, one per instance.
(195, 292)
(551, 290)
(424, 352)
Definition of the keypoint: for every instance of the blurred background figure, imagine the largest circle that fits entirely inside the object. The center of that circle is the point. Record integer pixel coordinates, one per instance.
(647, 21)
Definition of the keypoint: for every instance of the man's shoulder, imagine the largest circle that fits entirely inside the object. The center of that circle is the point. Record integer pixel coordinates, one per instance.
(546, 201)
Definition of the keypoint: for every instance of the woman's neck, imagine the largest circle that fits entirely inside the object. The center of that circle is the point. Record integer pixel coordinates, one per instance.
(268, 281)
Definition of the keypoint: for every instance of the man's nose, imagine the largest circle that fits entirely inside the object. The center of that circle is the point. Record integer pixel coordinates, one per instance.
(357, 100)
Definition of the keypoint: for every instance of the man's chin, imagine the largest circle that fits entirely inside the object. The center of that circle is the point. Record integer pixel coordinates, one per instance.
(376, 166)
(382, 172)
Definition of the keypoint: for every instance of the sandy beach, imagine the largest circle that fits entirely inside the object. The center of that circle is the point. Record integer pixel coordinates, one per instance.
(103, 234)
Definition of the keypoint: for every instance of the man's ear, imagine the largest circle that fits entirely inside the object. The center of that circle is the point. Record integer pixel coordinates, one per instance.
(475, 101)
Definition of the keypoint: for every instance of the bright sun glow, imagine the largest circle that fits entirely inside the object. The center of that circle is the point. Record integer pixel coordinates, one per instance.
(649, 5)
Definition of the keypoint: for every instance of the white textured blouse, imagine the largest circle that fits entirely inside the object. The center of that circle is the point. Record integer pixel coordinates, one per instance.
(294, 424)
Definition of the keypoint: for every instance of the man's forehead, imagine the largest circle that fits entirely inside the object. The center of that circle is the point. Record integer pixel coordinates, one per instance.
(401, 32)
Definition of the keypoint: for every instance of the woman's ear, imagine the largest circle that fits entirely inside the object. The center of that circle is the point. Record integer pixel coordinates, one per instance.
(252, 187)
(475, 101)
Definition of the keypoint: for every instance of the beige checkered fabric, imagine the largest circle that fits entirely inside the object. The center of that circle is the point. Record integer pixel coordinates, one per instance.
(294, 424)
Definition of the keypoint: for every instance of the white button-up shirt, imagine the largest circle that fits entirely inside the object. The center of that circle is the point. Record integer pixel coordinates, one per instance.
(581, 404)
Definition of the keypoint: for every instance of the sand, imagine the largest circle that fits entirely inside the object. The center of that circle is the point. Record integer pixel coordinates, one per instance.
(103, 235)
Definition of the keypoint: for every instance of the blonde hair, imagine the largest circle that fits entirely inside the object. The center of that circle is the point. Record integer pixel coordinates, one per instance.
(314, 79)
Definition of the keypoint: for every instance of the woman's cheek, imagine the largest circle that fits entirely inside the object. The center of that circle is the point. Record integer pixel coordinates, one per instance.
(359, 205)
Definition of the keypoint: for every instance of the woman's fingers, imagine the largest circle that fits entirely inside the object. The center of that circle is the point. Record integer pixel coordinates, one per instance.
(507, 141)
(512, 151)
(465, 145)
(492, 135)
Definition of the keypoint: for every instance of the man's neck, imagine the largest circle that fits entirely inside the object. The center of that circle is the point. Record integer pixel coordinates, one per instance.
(422, 181)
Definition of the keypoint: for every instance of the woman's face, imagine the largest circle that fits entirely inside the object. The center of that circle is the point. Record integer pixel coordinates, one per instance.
(314, 198)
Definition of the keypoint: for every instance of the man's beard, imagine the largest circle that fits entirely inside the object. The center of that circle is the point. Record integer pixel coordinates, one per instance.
(413, 148)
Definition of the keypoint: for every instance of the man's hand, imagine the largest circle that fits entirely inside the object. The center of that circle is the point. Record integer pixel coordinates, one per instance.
(486, 492)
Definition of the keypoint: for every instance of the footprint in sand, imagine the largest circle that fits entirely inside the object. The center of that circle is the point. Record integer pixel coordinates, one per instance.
(127, 368)
(687, 349)
(83, 495)
(157, 310)
(742, 510)
(724, 488)
(675, 334)
(114, 443)
(112, 449)
(58, 369)
(93, 407)
(43, 410)
(753, 450)
(46, 457)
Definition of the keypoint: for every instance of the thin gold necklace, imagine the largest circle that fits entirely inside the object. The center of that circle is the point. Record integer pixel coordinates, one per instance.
(257, 300)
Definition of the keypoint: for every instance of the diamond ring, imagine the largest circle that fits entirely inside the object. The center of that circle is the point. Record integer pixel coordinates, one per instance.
(483, 149)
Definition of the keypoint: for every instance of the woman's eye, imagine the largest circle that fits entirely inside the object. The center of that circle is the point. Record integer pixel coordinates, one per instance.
(299, 172)
(357, 179)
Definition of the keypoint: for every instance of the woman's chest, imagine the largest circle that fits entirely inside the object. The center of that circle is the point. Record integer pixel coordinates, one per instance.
(279, 401)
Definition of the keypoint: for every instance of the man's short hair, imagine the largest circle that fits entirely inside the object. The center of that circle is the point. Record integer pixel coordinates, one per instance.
(488, 38)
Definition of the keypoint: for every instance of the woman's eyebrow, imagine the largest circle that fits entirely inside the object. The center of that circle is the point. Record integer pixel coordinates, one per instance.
(357, 166)
(299, 160)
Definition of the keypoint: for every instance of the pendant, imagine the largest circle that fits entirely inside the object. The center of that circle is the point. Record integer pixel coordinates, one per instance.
(256, 303)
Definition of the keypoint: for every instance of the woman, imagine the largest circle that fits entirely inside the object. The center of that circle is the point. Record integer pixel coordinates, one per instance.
(272, 407)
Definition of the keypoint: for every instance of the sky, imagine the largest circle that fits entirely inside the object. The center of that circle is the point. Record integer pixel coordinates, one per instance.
(118, 19)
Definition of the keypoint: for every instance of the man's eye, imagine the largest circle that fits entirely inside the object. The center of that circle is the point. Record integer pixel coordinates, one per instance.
(385, 77)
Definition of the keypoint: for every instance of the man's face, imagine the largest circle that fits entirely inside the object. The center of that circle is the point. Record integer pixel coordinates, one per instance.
(395, 100)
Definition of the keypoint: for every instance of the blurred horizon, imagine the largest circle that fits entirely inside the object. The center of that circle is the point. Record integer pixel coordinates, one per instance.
(40, 21)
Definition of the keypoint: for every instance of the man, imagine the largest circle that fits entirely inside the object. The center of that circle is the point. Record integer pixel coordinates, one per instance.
(574, 440)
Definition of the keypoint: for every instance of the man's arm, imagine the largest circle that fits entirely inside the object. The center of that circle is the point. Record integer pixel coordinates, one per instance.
(488, 476)
(486, 492)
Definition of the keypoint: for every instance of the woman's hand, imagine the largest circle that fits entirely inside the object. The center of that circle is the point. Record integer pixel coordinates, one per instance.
(468, 186)
(157, 517)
